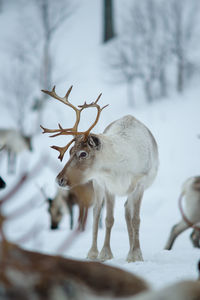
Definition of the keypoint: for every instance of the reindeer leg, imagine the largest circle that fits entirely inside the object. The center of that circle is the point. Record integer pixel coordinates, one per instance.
(100, 220)
(132, 215)
(71, 213)
(80, 218)
(106, 252)
(11, 162)
(93, 252)
(84, 218)
(195, 238)
(71, 217)
(176, 230)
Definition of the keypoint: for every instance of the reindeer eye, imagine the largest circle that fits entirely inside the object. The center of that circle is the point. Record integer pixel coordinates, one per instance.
(82, 154)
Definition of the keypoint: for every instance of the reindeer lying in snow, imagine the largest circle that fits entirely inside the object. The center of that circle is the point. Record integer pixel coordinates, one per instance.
(191, 213)
(64, 201)
(121, 161)
(33, 275)
(14, 143)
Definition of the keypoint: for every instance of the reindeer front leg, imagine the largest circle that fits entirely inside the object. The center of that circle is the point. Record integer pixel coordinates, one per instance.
(132, 215)
(93, 252)
(11, 162)
(106, 252)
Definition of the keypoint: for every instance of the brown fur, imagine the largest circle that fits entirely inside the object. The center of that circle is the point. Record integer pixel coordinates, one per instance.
(81, 195)
(46, 270)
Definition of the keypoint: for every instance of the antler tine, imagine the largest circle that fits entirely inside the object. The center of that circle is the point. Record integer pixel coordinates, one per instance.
(61, 131)
(98, 98)
(62, 150)
(64, 99)
(46, 130)
(74, 130)
(99, 110)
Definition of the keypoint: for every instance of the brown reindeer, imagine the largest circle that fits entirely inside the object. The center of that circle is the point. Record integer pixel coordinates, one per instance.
(123, 160)
(33, 275)
(13, 142)
(190, 214)
(64, 201)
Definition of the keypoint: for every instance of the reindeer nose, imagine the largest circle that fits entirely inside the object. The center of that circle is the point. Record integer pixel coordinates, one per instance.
(61, 181)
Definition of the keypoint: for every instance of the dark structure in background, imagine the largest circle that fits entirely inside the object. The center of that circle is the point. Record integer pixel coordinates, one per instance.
(2, 183)
(108, 21)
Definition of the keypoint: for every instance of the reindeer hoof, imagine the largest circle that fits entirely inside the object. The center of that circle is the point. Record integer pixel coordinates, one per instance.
(134, 255)
(105, 254)
(93, 254)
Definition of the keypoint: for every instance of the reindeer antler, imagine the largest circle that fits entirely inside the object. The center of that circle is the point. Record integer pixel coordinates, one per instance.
(74, 130)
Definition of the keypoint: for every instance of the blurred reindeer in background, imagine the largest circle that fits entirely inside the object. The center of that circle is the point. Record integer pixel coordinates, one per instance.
(64, 202)
(191, 213)
(13, 142)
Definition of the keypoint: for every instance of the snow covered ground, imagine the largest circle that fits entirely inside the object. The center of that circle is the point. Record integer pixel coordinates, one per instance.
(175, 125)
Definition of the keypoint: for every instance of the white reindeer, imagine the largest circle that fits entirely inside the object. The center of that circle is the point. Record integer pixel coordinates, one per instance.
(191, 213)
(14, 142)
(122, 161)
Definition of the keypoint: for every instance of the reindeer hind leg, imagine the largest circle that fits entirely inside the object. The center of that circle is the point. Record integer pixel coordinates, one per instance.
(132, 214)
(195, 238)
(175, 231)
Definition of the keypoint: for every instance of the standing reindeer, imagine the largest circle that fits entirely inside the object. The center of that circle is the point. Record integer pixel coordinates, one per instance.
(64, 201)
(14, 143)
(191, 214)
(122, 161)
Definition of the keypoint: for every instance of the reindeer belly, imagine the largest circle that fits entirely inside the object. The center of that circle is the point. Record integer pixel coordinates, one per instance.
(118, 184)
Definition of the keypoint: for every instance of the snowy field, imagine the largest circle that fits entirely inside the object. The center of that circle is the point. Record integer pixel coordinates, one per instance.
(175, 124)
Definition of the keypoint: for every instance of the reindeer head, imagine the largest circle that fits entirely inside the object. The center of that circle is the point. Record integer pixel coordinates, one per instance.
(82, 154)
(56, 213)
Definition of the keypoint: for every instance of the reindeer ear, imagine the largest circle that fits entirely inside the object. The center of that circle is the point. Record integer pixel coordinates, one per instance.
(94, 142)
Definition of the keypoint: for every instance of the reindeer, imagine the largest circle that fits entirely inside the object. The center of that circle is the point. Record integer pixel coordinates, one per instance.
(123, 161)
(191, 214)
(183, 290)
(12, 141)
(33, 275)
(64, 201)
(2, 183)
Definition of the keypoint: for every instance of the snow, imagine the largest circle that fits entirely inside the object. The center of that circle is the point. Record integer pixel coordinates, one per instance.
(173, 121)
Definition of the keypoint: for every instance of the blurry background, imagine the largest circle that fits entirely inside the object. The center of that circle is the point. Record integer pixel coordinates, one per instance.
(144, 56)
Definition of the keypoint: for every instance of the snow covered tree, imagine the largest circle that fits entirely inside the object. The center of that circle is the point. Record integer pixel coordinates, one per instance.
(183, 27)
(52, 15)
(19, 77)
(141, 51)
